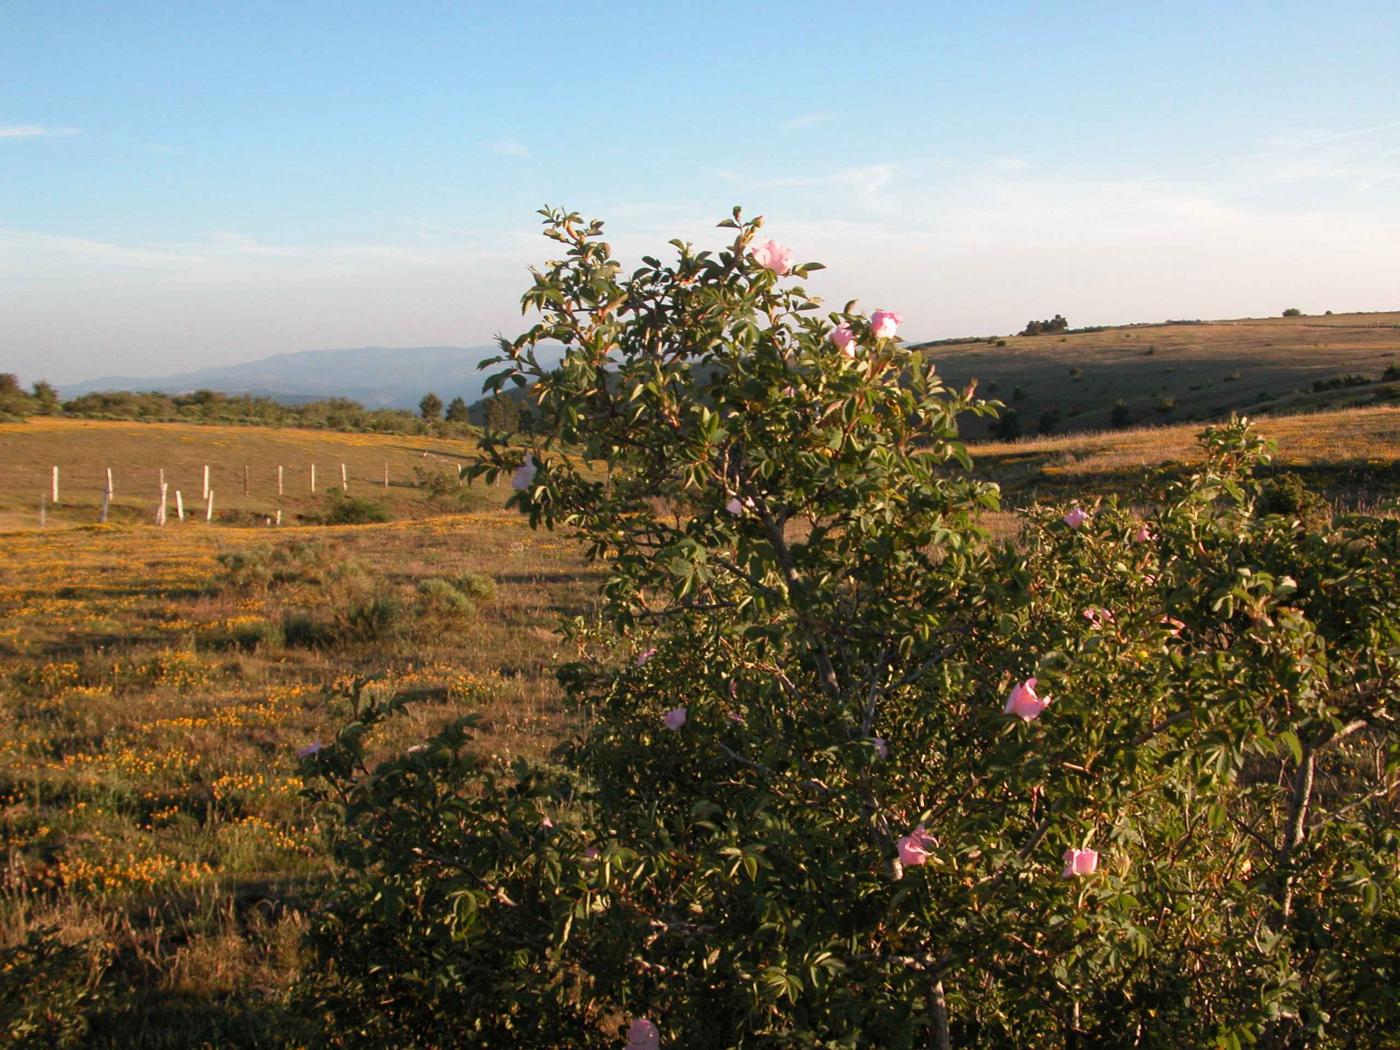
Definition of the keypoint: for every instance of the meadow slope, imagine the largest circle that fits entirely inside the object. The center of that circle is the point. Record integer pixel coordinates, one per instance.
(152, 700)
(1172, 373)
(422, 471)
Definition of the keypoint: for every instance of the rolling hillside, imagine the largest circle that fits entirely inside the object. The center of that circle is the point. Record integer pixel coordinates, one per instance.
(422, 471)
(1179, 372)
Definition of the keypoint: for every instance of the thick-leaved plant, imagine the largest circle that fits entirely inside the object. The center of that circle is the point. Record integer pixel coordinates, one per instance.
(856, 775)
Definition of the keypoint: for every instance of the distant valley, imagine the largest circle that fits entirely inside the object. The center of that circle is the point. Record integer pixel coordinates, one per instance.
(375, 376)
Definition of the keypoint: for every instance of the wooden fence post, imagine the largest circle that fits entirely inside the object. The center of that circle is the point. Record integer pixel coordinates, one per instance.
(279, 479)
(54, 496)
(209, 510)
(206, 481)
(179, 505)
(313, 479)
(344, 481)
(245, 479)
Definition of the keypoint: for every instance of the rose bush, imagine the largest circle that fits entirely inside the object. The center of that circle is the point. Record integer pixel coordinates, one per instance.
(824, 797)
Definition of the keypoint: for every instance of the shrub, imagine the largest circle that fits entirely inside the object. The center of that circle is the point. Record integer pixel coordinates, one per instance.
(301, 630)
(1288, 495)
(256, 634)
(269, 567)
(1166, 404)
(1008, 426)
(1341, 382)
(1049, 420)
(476, 585)
(1053, 326)
(344, 509)
(1391, 374)
(436, 483)
(50, 991)
(451, 600)
(796, 814)
(1293, 311)
(374, 618)
(1120, 416)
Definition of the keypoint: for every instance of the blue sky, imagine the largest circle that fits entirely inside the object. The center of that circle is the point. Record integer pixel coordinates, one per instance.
(186, 184)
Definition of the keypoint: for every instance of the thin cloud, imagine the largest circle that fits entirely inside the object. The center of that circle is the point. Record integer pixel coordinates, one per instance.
(807, 120)
(35, 131)
(1282, 150)
(508, 147)
(869, 179)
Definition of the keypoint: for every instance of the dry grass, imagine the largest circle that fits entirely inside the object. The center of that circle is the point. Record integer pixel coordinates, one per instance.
(1264, 365)
(1353, 455)
(137, 452)
(149, 795)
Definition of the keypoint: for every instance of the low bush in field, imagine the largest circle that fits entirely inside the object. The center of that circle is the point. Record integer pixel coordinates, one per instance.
(269, 567)
(49, 991)
(449, 600)
(344, 509)
(854, 774)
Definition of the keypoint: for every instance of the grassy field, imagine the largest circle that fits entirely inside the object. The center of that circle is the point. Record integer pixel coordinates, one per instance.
(151, 709)
(1172, 373)
(153, 699)
(1352, 456)
(422, 471)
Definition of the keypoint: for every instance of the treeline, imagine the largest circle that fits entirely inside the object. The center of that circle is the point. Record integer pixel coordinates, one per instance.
(210, 406)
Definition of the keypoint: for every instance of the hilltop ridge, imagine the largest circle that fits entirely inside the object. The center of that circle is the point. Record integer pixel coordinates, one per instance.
(1180, 371)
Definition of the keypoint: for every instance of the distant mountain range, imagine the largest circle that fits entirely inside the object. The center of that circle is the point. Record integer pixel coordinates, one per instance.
(375, 376)
(1092, 379)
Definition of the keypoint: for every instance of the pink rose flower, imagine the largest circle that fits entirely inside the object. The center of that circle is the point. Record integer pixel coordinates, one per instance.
(1080, 862)
(737, 717)
(1144, 534)
(1173, 625)
(310, 749)
(546, 823)
(1076, 517)
(675, 718)
(733, 688)
(882, 747)
(772, 256)
(738, 506)
(1098, 617)
(524, 475)
(643, 657)
(844, 339)
(642, 1035)
(914, 847)
(885, 323)
(591, 853)
(1024, 703)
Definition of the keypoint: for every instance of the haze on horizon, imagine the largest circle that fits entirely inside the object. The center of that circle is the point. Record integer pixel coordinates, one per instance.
(190, 185)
